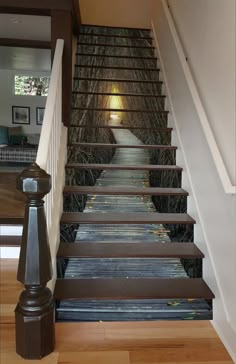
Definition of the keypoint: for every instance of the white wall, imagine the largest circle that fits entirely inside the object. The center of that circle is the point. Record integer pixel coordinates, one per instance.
(213, 209)
(122, 13)
(207, 32)
(8, 99)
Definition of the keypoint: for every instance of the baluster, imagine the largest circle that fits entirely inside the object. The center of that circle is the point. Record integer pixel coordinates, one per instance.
(35, 310)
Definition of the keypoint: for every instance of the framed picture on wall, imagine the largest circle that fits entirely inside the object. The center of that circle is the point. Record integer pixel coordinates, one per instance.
(39, 115)
(20, 115)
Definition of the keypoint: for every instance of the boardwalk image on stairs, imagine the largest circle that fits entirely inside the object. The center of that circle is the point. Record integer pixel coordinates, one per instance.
(122, 255)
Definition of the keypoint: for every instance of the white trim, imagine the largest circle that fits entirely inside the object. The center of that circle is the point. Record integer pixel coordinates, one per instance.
(219, 163)
(44, 143)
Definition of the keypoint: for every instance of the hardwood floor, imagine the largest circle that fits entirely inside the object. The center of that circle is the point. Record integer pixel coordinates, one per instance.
(112, 343)
(11, 200)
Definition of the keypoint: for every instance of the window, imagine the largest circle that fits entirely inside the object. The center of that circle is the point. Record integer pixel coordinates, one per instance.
(31, 86)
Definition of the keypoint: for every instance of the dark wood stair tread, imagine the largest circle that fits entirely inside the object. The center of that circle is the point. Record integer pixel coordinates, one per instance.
(138, 167)
(120, 110)
(114, 27)
(164, 130)
(117, 68)
(113, 56)
(115, 36)
(7, 240)
(116, 80)
(103, 145)
(118, 94)
(129, 191)
(11, 220)
(125, 218)
(131, 288)
(129, 250)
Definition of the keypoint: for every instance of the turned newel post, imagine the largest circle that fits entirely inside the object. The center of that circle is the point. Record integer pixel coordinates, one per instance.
(35, 310)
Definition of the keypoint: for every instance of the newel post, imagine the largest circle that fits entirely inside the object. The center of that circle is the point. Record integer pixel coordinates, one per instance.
(35, 310)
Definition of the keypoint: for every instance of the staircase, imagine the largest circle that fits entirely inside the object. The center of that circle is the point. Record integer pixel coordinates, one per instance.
(127, 250)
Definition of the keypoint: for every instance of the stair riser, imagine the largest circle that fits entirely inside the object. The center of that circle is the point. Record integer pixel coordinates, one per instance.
(115, 51)
(121, 87)
(107, 281)
(132, 316)
(116, 62)
(130, 103)
(115, 41)
(161, 156)
(165, 204)
(83, 72)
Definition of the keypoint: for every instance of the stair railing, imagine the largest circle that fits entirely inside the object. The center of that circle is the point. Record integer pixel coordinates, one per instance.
(35, 310)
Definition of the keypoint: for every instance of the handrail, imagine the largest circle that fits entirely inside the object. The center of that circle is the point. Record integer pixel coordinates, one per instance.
(229, 188)
(52, 130)
(55, 79)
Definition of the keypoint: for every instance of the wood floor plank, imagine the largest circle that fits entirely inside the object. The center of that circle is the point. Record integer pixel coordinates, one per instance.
(191, 350)
(12, 201)
(98, 357)
(13, 358)
(7, 314)
(166, 347)
(9, 288)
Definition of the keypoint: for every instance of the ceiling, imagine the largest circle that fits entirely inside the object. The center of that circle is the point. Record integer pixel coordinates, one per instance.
(25, 27)
(29, 27)
(28, 59)
(117, 13)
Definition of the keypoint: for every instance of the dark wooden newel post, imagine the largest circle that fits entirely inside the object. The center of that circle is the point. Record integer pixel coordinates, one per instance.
(35, 310)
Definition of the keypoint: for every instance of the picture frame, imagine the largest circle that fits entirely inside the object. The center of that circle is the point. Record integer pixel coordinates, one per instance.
(39, 115)
(21, 115)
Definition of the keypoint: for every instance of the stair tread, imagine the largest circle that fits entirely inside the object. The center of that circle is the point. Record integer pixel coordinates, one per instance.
(117, 80)
(125, 218)
(121, 110)
(110, 166)
(118, 94)
(115, 27)
(115, 36)
(114, 56)
(11, 220)
(105, 145)
(129, 250)
(8, 240)
(113, 190)
(121, 127)
(133, 288)
(117, 68)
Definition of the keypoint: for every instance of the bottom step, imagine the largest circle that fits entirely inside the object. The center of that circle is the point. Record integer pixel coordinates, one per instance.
(136, 310)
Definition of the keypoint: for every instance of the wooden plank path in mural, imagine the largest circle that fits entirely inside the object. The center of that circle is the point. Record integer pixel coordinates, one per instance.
(115, 264)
